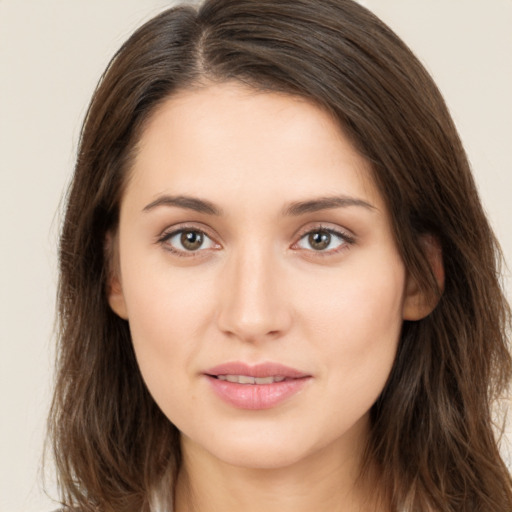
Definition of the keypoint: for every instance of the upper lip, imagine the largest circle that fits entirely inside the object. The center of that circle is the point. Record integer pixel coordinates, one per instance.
(257, 370)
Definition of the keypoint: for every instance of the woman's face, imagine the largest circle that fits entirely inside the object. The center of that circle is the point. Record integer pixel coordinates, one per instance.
(259, 275)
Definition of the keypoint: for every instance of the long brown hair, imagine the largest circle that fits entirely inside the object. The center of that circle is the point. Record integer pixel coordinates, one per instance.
(432, 430)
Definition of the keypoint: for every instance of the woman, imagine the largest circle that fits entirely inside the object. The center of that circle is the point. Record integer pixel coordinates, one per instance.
(278, 287)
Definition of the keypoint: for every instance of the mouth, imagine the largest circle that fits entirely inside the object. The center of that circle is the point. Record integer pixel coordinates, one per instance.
(262, 386)
(247, 379)
(247, 372)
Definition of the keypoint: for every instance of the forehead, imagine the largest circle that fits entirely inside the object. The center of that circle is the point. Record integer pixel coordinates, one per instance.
(229, 138)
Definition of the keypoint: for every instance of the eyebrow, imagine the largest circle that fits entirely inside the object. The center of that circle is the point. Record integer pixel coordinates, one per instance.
(324, 203)
(187, 202)
(293, 209)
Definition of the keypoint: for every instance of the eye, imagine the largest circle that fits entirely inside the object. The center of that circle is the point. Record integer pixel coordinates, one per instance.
(187, 241)
(323, 240)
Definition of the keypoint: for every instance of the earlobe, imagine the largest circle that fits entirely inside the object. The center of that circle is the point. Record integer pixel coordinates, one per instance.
(116, 298)
(419, 303)
(114, 288)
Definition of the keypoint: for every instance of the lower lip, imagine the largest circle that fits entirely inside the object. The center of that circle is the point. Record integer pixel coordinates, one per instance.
(256, 396)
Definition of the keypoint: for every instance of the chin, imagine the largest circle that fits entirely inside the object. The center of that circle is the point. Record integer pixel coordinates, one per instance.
(257, 456)
(270, 447)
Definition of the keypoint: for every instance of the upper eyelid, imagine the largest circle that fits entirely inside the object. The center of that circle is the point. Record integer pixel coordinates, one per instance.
(173, 230)
(325, 226)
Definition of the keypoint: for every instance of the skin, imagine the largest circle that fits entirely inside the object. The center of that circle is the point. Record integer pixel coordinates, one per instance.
(257, 290)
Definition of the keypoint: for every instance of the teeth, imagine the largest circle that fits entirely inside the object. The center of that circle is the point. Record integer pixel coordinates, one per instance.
(264, 380)
(246, 379)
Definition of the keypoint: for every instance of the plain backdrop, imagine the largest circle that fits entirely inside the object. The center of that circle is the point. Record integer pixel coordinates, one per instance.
(52, 53)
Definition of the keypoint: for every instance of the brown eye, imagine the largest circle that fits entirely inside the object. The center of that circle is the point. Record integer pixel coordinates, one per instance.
(319, 240)
(185, 241)
(324, 240)
(191, 240)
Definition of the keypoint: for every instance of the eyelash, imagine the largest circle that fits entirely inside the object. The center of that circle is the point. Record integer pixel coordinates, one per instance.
(346, 241)
(168, 235)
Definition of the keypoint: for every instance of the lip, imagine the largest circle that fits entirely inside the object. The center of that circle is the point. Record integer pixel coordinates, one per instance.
(256, 396)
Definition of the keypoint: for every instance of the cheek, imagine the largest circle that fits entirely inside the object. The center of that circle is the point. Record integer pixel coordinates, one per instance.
(162, 300)
(356, 327)
(166, 316)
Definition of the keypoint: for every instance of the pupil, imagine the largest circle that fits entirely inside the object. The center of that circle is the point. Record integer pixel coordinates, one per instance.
(319, 240)
(191, 240)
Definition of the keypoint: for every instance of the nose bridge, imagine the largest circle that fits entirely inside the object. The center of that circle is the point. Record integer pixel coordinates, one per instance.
(253, 304)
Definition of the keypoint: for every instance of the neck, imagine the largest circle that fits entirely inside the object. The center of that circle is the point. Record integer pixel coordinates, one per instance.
(329, 479)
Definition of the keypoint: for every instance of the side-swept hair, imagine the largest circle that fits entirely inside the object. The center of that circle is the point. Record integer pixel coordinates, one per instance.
(431, 429)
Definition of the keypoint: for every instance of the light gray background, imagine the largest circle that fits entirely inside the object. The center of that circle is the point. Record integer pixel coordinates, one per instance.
(51, 54)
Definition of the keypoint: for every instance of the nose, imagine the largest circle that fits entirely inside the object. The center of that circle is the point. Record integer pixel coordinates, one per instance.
(254, 304)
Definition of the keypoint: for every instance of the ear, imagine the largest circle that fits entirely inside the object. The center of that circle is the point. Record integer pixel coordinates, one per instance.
(417, 302)
(114, 288)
